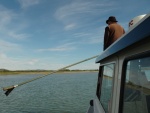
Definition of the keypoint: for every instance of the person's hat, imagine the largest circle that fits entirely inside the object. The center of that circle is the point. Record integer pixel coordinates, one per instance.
(112, 19)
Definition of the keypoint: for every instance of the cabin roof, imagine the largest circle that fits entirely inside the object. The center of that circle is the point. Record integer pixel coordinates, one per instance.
(140, 31)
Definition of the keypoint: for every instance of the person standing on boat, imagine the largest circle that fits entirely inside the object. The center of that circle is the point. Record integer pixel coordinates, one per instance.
(112, 32)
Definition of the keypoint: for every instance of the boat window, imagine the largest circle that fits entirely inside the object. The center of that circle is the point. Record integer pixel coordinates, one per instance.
(106, 87)
(136, 97)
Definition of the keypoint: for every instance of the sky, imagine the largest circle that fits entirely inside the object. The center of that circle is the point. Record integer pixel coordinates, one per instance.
(51, 34)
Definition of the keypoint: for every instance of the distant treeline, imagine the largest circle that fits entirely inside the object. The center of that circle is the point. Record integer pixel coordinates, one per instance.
(6, 71)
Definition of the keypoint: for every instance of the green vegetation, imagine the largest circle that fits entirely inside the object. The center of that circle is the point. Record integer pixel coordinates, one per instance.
(14, 72)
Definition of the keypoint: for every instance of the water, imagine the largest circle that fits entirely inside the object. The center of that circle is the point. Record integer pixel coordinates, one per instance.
(57, 93)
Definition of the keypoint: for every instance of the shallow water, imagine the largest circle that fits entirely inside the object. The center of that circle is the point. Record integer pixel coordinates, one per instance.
(57, 93)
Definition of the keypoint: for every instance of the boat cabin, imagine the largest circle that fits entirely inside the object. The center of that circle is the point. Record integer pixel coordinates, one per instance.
(123, 84)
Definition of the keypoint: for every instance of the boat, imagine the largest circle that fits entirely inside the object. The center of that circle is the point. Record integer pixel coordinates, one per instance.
(123, 84)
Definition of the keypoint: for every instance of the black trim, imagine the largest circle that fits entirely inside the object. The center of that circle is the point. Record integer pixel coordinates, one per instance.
(91, 103)
(123, 77)
(137, 34)
(124, 67)
(99, 81)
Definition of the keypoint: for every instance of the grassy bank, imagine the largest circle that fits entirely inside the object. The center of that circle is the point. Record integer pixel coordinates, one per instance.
(28, 72)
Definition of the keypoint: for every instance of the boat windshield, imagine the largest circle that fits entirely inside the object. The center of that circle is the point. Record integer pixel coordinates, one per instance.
(137, 86)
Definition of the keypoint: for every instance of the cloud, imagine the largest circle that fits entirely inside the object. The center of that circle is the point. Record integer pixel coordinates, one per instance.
(18, 63)
(8, 46)
(65, 47)
(80, 8)
(81, 34)
(92, 37)
(94, 40)
(90, 40)
(6, 17)
(70, 26)
(80, 13)
(32, 61)
(24, 63)
(3, 56)
(27, 3)
(8, 25)
(6, 62)
(86, 65)
(17, 36)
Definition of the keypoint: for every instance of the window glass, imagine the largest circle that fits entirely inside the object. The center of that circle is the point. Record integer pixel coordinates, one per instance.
(137, 86)
(106, 87)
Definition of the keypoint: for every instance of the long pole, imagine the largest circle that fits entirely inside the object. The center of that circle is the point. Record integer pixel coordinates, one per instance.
(10, 88)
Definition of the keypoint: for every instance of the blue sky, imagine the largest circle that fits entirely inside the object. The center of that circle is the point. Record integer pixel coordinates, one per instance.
(51, 34)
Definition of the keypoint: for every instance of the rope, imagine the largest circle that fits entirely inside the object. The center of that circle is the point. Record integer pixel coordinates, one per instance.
(10, 88)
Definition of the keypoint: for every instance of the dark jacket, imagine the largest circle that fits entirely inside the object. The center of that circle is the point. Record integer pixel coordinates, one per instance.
(112, 33)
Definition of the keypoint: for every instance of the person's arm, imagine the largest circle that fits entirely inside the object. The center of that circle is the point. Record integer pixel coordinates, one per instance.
(106, 37)
(123, 31)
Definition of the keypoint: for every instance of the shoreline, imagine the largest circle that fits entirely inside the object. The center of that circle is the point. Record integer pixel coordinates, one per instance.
(44, 73)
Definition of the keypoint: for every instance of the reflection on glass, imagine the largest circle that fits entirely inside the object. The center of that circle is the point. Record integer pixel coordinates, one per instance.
(137, 86)
(106, 89)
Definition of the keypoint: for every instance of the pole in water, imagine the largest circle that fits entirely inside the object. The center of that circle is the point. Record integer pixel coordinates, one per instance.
(10, 88)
